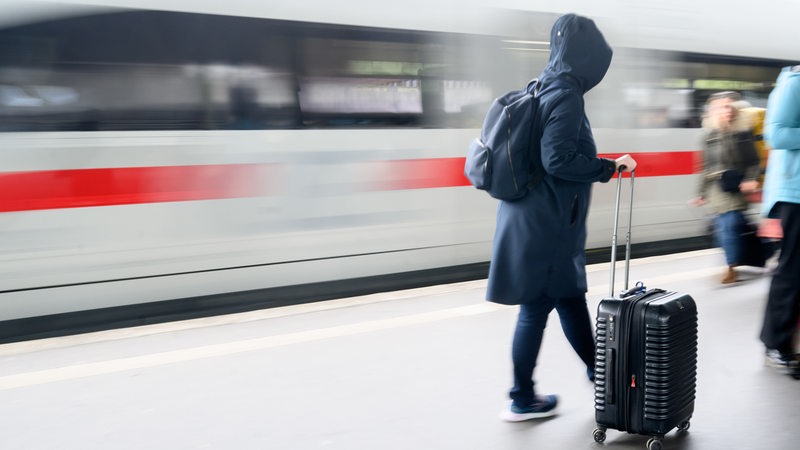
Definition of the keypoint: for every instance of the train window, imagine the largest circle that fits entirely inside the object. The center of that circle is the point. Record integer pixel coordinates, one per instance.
(370, 77)
(145, 70)
(474, 70)
(657, 89)
(359, 79)
(631, 94)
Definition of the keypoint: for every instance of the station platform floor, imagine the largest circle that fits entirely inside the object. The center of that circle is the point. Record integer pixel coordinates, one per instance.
(419, 369)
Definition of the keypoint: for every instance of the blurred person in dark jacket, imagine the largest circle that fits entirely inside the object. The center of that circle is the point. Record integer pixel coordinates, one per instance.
(782, 200)
(538, 256)
(731, 167)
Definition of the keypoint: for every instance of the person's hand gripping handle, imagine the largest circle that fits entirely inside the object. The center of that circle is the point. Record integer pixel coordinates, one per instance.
(625, 163)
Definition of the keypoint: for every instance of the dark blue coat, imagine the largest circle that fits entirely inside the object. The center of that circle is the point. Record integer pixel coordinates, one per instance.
(539, 242)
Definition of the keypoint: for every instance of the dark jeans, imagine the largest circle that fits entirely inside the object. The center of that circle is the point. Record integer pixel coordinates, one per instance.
(531, 322)
(728, 228)
(780, 317)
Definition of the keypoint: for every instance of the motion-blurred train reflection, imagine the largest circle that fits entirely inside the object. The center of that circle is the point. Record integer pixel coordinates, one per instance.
(151, 161)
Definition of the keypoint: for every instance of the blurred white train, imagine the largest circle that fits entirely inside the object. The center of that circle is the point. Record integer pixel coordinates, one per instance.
(177, 158)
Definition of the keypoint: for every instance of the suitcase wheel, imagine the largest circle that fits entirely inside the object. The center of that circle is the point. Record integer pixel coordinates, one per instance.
(654, 444)
(599, 434)
(683, 426)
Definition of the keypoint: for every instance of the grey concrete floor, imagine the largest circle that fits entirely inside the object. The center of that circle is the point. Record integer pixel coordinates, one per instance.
(420, 369)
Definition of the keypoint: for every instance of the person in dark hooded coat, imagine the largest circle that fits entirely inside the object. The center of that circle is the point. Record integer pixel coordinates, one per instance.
(538, 255)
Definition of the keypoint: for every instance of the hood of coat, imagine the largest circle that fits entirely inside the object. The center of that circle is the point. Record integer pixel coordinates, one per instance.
(579, 50)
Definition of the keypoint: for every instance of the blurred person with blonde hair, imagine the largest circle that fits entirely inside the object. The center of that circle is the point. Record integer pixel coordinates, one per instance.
(730, 170)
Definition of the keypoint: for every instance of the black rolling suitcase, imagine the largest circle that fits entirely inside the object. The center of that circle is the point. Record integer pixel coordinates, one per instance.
(646, 356)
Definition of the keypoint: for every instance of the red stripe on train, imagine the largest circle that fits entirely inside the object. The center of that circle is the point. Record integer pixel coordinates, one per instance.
(449, 172)
(76, 188)
(664, 164)
(55, 189)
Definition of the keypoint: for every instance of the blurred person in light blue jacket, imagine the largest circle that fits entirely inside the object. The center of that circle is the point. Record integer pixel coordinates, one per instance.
(782, 200)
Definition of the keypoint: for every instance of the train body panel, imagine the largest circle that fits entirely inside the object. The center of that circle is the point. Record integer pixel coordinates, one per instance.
(339, 208)
(262, 147)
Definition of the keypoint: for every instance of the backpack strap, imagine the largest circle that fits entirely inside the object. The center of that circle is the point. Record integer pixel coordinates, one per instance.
(538, 172)
(534, 87)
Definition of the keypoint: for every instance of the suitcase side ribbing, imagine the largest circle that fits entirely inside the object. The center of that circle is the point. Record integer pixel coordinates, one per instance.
(670, 372)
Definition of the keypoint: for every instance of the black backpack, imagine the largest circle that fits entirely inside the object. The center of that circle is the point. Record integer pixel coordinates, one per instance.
(506, 160)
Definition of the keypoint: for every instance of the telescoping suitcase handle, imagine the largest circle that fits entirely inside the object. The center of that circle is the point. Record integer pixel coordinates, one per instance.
(639, 287)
